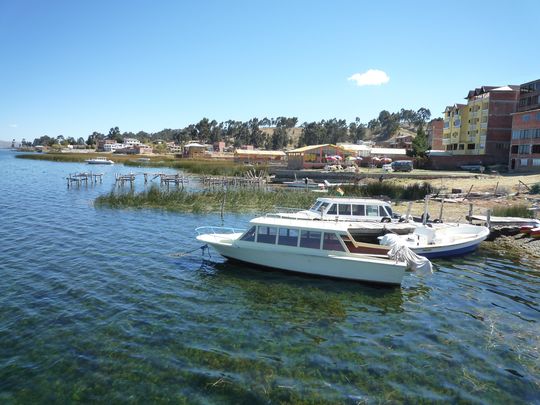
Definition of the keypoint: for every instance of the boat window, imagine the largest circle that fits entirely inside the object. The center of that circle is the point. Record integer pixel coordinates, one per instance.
(372, 210)
(323, 206)
(389, 211)
(310, 239)
(315, 207)
(382, 211)
(288, 237)
(249, 236)
(344, 209)
(332, 210)
(331, 242)
(359, 210)
(267, 234)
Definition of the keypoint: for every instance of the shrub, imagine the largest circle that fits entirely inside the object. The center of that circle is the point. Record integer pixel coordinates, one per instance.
(535, 188)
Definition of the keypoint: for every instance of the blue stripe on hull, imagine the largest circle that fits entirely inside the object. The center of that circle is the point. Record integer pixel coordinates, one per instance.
(448, 253)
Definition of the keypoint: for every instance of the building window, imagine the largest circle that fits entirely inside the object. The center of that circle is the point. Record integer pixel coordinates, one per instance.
(538, 114)
(515, 134)
(536, 162)
(470, 146)
(536, 149)
(461, 146)
(514, 149)
(524, 149)
(523, 162)
(525, 118)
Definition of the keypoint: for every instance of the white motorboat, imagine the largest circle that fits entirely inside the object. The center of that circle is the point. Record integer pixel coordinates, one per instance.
(440, 240)
(344, 209)
(321, 248)
(305, 183)
(99, 161)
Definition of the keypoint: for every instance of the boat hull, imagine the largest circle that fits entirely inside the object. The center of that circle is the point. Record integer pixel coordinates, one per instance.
(449, 243)
(312, 262)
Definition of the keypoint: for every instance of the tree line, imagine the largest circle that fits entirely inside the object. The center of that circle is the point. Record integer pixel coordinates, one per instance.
(252, 132)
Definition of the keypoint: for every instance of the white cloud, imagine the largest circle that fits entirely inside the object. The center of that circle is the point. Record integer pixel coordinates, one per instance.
(373, 77)
(13, 125)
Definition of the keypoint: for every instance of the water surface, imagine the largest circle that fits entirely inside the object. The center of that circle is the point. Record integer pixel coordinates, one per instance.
(95, 307)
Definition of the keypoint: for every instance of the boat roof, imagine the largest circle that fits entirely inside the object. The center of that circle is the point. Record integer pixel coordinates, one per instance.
(335, 226)
(342, 200)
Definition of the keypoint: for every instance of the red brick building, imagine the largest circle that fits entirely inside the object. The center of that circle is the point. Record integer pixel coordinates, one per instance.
(525, 144)
(435, 133)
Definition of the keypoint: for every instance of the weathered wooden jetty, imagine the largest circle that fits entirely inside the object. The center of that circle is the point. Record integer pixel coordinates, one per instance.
(121, 179)
(168, 179)
(251, 179)
(84, 178)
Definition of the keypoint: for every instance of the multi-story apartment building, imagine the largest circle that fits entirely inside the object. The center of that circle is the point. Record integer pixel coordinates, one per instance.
(525, 145)
(455, 118)
(480, 130)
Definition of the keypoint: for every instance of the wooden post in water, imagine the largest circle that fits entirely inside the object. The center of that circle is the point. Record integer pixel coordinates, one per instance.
(488, 219)
(409, 207)
(223, 202)
(424, 219)
(470, 213)
(441, 211)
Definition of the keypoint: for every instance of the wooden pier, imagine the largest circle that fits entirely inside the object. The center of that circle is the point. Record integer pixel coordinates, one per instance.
(251, 179)
(84, 178)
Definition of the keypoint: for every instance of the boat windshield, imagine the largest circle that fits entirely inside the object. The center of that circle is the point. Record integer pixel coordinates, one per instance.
(319, 207)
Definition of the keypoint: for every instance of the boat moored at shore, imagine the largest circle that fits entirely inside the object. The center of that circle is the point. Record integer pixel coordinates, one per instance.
(99, 161)
(321, 248)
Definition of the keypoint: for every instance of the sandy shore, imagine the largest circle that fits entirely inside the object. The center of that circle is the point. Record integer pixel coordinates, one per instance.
(512, 190)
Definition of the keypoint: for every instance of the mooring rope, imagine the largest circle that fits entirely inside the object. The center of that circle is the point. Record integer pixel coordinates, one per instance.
(203, 249)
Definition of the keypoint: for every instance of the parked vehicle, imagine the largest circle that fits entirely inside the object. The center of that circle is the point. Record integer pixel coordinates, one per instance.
(402, 166)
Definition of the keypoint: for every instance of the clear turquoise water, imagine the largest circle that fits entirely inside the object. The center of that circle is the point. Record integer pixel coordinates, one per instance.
(94, 308)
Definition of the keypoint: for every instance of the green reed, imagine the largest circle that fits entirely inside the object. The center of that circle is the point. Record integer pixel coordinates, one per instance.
(237, 200)
(516, 210)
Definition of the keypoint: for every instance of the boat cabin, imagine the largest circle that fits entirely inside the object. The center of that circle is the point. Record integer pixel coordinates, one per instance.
(308, 235)
(349, 209)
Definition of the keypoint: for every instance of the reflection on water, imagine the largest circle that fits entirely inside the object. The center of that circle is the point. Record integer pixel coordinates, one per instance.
(93, 307)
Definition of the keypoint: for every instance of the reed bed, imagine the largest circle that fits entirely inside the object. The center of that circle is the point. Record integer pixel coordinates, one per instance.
(238, 200)
(415, 191)
(516, 210)
(208, 167)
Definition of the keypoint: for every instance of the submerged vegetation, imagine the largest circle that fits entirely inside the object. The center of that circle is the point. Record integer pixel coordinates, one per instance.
(242, 200)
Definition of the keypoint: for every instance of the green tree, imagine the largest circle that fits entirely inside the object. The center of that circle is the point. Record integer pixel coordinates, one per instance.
(420, 143)
(114, 133)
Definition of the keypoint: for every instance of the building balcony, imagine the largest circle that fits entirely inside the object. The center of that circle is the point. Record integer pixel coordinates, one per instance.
(485, 111)
(472, 127)
(483, 125)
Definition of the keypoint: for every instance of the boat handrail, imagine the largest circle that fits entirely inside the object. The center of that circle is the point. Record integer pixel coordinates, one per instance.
(201, 230)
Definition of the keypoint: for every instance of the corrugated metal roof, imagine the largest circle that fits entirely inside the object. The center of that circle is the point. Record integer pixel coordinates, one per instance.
(260, 152)
(310, 147)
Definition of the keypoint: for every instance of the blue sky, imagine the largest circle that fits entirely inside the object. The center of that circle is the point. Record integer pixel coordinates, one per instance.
(74, 67)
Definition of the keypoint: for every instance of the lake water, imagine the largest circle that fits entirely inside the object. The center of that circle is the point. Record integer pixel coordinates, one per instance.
(95, 307)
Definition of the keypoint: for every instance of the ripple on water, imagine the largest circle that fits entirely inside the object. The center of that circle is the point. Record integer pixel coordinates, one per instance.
(94, 308)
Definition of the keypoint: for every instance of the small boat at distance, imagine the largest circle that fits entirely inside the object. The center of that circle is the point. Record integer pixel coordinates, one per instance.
(320, 248)
(99, 161)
